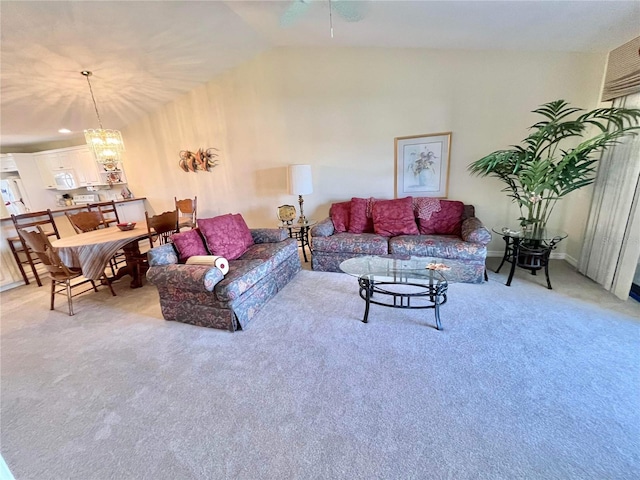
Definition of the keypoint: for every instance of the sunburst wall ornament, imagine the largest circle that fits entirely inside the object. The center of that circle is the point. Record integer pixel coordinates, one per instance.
(203, 160)
(107, 145)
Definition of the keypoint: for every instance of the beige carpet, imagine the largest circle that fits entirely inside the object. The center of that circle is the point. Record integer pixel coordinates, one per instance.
(521, 383)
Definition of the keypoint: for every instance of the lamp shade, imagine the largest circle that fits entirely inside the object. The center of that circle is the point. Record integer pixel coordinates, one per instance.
(300, 180)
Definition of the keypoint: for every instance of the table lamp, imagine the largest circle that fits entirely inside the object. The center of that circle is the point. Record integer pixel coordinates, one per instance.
(300, 184)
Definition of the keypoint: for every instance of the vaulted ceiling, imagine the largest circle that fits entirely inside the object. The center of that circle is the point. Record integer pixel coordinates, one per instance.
(144, 54)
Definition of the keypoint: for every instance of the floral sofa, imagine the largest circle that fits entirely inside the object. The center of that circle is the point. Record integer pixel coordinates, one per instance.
(421, 227)
(260, 263)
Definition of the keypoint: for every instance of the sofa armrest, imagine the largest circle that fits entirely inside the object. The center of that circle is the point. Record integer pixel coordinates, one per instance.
(194, 278)
(163, 255)
(268, 235)
(474, 232)
(323, 228)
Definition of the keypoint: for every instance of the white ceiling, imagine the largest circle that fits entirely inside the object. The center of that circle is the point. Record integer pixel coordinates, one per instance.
(145, 54)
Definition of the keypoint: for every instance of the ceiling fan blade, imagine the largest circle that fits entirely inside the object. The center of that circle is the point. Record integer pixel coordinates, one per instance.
(294, 12)
(350, 10)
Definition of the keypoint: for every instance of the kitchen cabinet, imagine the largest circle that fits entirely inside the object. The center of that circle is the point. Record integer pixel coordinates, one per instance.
(9, 273)
(131, 211)
(86, 168)
(8, 163)
(43, 162)
(81, 162)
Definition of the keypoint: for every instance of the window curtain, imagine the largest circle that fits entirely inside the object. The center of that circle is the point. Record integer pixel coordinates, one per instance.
(612, 239)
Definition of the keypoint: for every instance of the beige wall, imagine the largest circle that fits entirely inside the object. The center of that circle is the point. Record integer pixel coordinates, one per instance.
(339, 110)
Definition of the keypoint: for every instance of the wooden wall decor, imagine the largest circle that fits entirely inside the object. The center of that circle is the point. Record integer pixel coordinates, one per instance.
(202, 159)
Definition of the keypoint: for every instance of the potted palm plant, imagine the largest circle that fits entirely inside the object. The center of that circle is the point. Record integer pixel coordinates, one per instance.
(541, 171)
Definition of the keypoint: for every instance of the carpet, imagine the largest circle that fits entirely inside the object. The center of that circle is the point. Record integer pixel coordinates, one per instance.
(522, 382)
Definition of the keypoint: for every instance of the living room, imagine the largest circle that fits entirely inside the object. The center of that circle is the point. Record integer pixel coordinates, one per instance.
(337, 107)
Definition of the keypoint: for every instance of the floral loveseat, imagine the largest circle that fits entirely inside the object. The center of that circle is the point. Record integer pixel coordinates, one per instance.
(421, 227)
(260, 263)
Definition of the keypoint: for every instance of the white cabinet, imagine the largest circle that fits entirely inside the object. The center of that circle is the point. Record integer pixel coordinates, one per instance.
(8, 163)
(44, 167)
(131, 211)
(86, 168)
(79, 160)
(61, 160)
(9, 274)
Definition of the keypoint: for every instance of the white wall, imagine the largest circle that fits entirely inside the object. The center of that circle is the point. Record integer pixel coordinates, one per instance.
(340, 110)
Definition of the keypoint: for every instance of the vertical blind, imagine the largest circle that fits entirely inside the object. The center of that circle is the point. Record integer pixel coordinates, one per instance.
(623, 71)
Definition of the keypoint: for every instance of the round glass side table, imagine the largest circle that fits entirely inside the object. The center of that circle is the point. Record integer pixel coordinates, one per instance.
(529, 249)
(300, 231)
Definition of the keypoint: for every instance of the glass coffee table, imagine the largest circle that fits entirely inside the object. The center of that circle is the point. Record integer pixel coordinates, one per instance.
(405, 282)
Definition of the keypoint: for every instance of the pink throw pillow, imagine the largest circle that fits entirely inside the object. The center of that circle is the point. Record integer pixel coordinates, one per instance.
(360, 217)
(446, 221)
(189, 244)
(394, 217)
(226, 235)
(339, 213)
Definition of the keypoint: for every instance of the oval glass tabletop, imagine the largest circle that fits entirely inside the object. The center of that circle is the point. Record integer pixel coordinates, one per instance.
(396, 269)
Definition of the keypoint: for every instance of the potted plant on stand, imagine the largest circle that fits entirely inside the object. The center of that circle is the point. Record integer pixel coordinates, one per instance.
(544, 169)
(541, 172)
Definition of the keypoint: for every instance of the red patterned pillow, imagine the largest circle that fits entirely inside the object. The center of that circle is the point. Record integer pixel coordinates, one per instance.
(360, 217)
(446, 221)
(394, 217)
(339, 213)
(226, 235)
(189, 244)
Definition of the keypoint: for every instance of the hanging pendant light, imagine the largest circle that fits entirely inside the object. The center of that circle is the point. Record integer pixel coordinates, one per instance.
(107, 145)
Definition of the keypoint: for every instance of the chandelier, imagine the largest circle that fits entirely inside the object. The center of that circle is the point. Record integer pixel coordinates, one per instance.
(107, 145)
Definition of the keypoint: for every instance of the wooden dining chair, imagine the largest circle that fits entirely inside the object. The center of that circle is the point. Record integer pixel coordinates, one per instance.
(109, 212)
(187, 212)
(61, 275)
(161, 227)
(85, 221)
(93, 220)
(21, 252)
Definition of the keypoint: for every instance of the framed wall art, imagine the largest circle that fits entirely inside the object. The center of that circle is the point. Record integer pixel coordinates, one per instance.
(422, 165)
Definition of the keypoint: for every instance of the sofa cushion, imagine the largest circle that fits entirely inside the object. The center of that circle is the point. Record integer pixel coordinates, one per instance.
(276, 252)
(442, 246)
(257, 262)
(226, 235)
(366, 243)
(189, 244)
(446, 221)
(360, 219)
(394, 217)
(340, 213)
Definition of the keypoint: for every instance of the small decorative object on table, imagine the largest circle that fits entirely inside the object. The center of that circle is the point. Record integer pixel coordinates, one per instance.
(438, 266)
(286, 214)
(126, 226)
(126, 193)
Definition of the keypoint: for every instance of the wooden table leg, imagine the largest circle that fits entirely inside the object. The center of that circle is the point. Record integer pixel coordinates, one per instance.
(136, 266)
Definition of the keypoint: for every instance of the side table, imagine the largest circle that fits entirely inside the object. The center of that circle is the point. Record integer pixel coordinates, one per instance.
(529, 249)
(300, 231)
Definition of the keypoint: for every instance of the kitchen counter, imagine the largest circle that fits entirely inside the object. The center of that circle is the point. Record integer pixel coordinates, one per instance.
(58, 209)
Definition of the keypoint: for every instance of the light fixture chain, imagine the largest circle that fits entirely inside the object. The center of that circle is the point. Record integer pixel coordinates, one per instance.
(94, 102)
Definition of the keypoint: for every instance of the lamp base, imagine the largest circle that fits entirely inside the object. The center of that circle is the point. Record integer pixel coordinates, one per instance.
(302, 218)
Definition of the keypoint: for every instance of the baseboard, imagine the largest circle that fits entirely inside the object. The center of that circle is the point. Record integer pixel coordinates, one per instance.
(9, 286)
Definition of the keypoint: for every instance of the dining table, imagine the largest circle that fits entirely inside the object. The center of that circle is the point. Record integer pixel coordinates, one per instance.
(91, 252)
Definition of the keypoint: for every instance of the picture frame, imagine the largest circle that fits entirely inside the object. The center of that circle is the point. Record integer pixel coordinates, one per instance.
(422, 165)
